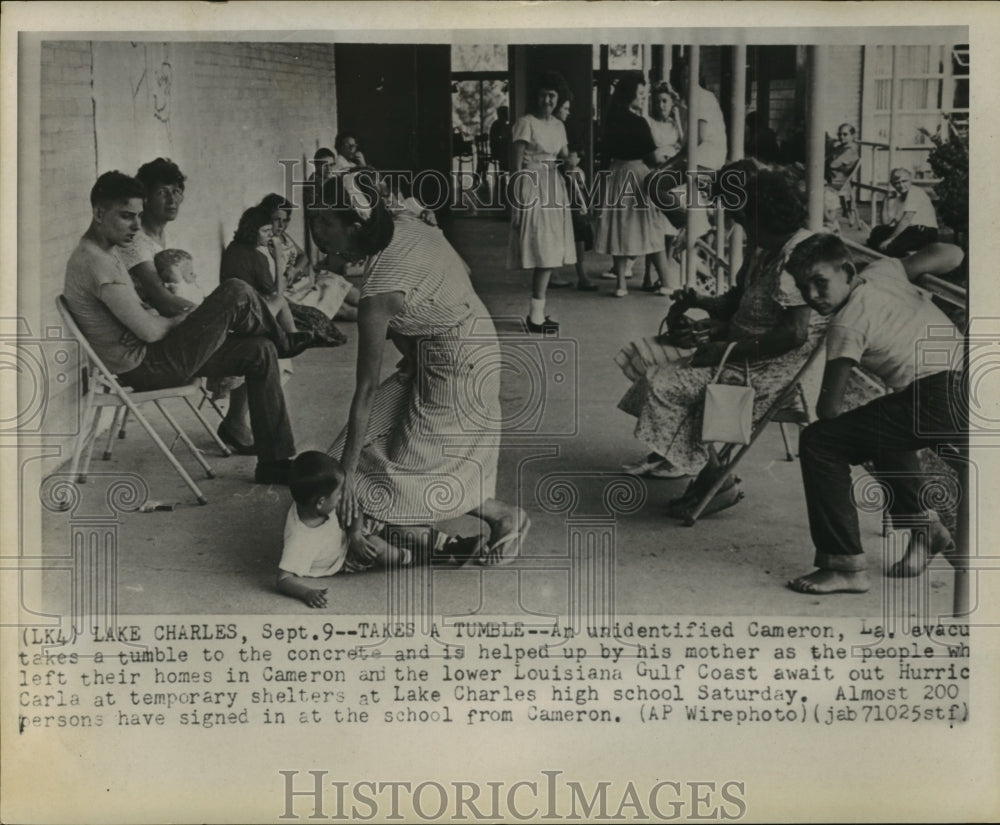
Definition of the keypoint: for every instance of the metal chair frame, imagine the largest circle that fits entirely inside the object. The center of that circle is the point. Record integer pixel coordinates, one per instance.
(102, 389)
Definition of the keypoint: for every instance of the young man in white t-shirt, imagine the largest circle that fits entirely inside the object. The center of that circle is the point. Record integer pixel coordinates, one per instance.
(908, 219)
(890, 327)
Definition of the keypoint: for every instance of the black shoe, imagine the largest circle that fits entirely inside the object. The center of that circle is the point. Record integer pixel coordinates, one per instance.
(586, 286)
(547, 327)
(458, 551)
(296, 343)
(272, 472)
(236, 446)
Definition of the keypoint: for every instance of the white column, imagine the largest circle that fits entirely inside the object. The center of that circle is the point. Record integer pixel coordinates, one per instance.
(816, 145)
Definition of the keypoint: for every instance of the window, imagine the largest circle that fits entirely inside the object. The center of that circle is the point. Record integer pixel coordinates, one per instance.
(910, 87)
(479, 58)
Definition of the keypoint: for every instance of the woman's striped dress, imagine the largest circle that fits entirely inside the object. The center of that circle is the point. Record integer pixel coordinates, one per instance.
(433, 438)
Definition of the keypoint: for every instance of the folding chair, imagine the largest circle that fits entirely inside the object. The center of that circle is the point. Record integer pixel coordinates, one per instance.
(102, 389)
(728, 462)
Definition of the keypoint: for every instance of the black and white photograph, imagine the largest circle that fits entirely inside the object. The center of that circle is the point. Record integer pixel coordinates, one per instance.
(492, 412)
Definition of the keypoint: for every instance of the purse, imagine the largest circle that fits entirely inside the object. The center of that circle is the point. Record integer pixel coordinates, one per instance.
(728, 408)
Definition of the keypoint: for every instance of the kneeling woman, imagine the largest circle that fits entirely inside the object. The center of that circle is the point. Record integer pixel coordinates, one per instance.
(422, 446)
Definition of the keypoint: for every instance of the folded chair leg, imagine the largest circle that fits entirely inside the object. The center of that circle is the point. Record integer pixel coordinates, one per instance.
(91, 439)
(183, 436)
(111, 432)
(206, 396)
(121, 427)
(226, 452)
(784, 437)
(86, 425)
(726, 469)
(172, 459)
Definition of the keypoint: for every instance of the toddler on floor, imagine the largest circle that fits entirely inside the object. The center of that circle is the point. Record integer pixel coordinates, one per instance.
(315, 545)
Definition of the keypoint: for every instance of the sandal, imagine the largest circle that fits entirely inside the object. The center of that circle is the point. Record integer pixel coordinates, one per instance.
(498, 554)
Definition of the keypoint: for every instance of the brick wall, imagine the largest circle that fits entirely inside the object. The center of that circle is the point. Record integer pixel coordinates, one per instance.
(225, 112)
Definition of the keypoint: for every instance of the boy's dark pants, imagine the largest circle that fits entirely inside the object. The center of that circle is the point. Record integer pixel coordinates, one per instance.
(909, 240)
(931, 412)
(232, 332)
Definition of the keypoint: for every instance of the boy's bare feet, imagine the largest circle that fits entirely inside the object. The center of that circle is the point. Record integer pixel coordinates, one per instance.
(821, 582)
(916, 558)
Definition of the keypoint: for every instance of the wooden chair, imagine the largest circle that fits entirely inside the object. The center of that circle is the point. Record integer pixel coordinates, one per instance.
(102, 389)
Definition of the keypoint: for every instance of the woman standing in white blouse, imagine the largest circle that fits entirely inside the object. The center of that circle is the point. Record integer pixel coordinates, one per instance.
(541, 232)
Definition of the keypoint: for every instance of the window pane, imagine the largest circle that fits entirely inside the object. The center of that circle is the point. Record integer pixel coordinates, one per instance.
(474, 105)
(882, 62)
(920, 94)
(883, 94)
(478, 58)
(623, 57)
(960, 93)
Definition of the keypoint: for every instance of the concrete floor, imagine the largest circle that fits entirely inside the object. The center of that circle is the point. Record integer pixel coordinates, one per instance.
(221, 558)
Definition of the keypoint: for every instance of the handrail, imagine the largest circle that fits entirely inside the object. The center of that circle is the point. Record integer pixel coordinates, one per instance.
(952, 293)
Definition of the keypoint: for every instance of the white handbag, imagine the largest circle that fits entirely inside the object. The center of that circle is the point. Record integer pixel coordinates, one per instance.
(728, 408)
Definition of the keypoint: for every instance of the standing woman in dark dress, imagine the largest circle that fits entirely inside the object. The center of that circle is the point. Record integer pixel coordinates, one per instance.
(629, 226)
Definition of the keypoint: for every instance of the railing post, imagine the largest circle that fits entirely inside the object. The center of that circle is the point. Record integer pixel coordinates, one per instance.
(691, 259)
(737, 125)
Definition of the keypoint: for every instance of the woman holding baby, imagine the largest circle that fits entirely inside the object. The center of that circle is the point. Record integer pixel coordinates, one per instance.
(164, 183)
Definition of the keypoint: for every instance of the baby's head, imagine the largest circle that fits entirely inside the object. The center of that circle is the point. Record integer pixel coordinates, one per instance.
(574, 155)
(823, 272)
(174, 266)
(315, 482)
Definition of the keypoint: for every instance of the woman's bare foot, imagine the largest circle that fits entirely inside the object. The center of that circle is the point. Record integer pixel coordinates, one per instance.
(821, 582)
(916, 558)
(507, 532)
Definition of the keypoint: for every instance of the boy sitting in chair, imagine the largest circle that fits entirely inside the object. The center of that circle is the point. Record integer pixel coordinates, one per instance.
(878, 318)
(231, 333)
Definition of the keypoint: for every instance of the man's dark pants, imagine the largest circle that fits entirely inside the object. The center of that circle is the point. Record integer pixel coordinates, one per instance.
(931, 412)
(232, 332)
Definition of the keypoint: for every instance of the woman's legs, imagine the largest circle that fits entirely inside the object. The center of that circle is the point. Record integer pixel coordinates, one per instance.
(621, 264)
(282, 314)
(669, 276)
(539, 286)
(425, 544)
